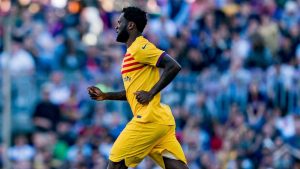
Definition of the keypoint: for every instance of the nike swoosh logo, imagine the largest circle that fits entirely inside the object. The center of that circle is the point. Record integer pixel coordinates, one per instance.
(144, 46)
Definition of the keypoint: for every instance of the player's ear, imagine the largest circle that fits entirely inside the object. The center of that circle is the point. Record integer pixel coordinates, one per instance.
(130, 25)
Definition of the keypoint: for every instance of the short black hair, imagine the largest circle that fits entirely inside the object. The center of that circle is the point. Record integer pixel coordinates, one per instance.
(136, 15)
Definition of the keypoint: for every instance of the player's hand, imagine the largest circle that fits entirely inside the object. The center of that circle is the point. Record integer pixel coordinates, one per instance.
(95, 93)
(143, 97)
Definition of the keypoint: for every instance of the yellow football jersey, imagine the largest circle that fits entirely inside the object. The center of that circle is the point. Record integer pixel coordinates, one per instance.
(139, 72)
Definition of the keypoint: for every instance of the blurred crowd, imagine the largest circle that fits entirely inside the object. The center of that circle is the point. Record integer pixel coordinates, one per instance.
(236, 101)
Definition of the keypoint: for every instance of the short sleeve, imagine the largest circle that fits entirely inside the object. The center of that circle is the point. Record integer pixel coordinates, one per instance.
(148, 54)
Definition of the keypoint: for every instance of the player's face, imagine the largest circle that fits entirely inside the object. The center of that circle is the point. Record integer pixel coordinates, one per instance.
(121, 29)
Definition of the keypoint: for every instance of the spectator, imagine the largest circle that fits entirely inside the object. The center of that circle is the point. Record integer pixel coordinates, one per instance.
(163, 23)
(285, 124)
(73, 58)
(46, 114)
(178, 11)
(259, 56)
(286, 54)
(201, 111)
(21, 152)
(240, 46)
(59, 92)
(80, 150)
(195, 60)
(270, 33)
(20, 61)
(290, 15)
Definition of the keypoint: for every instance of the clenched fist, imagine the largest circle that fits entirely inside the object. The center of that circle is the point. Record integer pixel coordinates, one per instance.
(143, 97)
(96, 94)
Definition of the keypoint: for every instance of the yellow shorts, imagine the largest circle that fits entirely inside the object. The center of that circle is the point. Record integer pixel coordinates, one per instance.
(138, 140)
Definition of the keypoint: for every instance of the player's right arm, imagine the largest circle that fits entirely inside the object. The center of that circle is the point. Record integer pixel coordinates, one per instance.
(96, 94)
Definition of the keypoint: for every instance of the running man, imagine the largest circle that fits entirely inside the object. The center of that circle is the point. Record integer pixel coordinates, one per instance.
(151, 132)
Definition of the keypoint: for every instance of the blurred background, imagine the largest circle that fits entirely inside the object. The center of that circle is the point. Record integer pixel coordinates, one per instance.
(236, 101)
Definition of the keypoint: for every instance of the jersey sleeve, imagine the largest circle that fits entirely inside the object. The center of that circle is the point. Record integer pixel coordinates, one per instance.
(148, 54)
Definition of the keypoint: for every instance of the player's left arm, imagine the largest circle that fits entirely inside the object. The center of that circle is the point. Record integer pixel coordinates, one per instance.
(170, 70)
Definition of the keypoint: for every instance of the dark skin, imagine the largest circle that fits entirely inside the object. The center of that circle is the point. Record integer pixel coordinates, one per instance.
(170, 70)
(170, 66)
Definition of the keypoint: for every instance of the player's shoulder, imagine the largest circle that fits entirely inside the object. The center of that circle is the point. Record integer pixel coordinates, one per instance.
(143, 45)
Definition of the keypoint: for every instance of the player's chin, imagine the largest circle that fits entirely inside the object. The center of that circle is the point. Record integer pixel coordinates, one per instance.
(121, 38)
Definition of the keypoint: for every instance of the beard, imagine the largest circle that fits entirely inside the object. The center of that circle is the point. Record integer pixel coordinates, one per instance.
(123, 36)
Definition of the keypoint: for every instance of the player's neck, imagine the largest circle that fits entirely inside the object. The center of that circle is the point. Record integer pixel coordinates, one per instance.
(132, 38)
